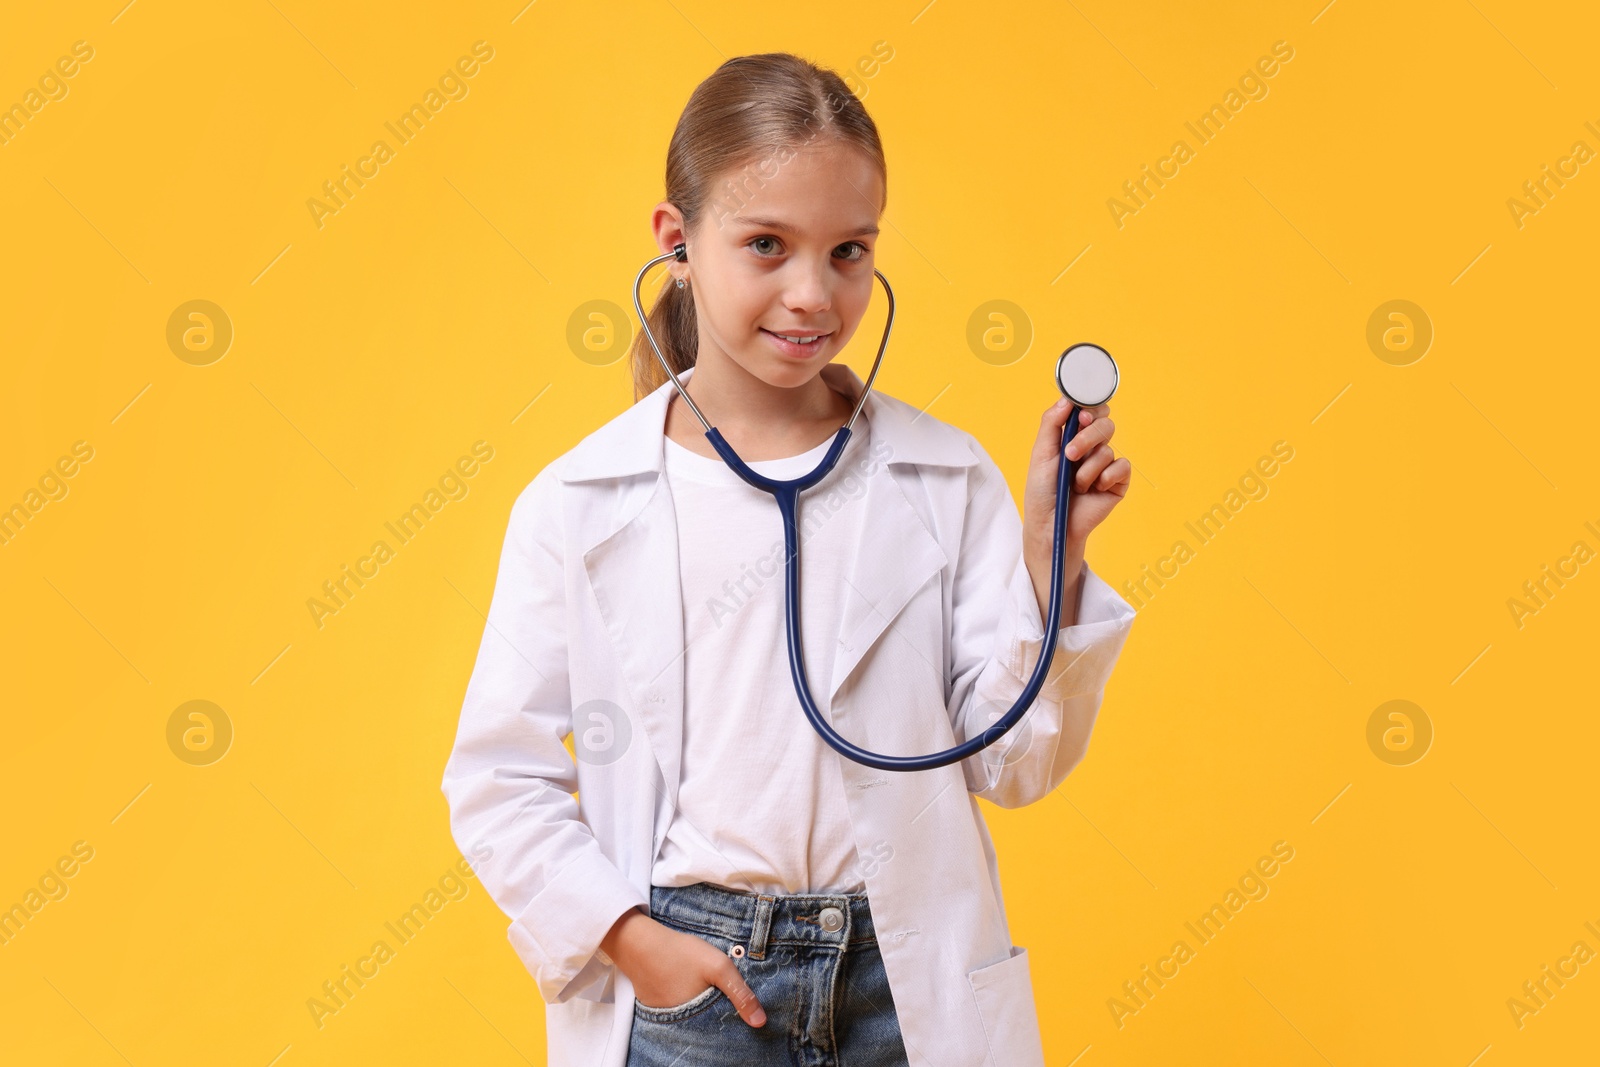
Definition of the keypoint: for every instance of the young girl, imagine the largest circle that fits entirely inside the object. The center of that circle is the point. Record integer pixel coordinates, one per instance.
(732, 890)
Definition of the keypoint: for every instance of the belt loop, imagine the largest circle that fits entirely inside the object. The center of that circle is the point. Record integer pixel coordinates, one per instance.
(763, 923)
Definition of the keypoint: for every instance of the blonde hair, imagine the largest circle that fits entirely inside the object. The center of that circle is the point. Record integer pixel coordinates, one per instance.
(750, 108)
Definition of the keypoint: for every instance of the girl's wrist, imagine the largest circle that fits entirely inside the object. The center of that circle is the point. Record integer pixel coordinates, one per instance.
(614, 945)
(1037, 553)
(1038, 562)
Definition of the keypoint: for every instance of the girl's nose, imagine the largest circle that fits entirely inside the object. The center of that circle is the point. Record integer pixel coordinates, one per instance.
(807, 290)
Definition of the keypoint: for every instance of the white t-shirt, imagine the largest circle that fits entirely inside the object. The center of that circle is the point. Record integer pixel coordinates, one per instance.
(761, 800)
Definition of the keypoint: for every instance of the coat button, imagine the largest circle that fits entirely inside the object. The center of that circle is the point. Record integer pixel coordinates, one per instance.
(832, 919)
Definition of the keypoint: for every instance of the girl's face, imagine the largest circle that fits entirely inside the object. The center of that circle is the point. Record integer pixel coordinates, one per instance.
(790, 254)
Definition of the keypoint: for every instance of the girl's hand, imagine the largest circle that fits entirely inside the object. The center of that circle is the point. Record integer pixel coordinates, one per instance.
(1100, 482)
(668, 967)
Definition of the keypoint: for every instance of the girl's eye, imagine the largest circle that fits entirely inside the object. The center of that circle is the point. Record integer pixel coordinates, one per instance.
(767, 246)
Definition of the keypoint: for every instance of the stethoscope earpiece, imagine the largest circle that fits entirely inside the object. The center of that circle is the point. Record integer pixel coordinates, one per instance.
(680, 253)
(1086, 375)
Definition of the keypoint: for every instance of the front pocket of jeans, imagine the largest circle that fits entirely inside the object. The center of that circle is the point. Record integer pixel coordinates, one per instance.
(678, 1012)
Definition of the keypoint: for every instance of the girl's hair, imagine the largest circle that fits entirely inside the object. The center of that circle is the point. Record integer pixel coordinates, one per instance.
(750, 112)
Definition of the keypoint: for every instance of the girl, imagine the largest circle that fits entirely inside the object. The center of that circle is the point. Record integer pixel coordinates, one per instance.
(708, 904)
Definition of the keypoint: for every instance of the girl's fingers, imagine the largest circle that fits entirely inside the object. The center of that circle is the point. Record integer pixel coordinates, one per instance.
(1091, 467)
(739, 992)
(1098, 432)
(1048, 443)
(1118, 473)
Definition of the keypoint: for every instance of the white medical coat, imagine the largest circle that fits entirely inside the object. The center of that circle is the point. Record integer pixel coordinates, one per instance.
(938, 638)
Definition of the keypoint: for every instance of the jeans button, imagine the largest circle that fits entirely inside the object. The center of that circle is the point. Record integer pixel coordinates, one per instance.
(832, 919)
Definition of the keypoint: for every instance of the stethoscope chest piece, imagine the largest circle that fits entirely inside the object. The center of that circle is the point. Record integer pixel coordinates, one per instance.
(1086, 375)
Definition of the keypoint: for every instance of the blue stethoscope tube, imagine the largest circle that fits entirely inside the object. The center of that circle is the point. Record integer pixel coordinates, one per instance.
(787, 493)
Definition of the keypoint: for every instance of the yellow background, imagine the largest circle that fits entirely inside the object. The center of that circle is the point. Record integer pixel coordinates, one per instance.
(432, 310)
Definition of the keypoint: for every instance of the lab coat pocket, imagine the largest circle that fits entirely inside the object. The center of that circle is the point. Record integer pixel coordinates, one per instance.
(1004, 992)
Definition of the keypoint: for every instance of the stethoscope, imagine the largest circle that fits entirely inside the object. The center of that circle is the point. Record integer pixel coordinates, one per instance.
(1085, 373)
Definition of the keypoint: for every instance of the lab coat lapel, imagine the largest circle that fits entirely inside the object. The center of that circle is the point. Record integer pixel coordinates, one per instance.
(895, 557)
(635, 578)
(629, 535)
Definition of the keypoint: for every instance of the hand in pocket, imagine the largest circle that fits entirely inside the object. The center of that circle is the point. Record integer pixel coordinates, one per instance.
(669, 968)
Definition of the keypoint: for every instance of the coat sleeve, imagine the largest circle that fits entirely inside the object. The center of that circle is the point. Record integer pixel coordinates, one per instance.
(510, 780)
(997, 636)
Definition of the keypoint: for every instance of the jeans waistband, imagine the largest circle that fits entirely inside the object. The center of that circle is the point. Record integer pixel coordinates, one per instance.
(761, 920)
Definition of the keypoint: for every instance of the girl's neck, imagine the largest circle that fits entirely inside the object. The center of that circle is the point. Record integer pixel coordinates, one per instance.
(760, 421)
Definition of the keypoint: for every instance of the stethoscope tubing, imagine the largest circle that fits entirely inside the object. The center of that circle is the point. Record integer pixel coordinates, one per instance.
(787, 493)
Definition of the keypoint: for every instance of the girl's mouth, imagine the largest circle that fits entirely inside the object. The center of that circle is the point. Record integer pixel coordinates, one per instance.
(797, 345)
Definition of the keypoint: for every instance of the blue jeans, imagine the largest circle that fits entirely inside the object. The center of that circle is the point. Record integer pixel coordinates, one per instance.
(811, 959)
